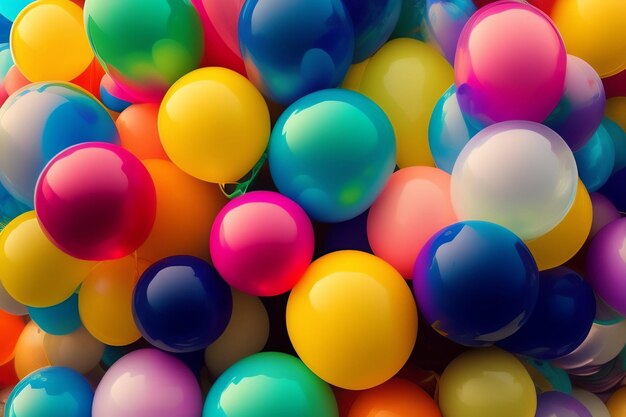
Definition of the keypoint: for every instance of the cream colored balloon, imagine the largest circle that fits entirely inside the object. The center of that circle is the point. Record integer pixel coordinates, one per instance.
(79, 350)
(596, 407)
(246, 334)
(29, 351)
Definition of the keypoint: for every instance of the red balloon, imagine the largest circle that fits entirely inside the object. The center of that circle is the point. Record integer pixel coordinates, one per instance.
(8, 377)
(221, 40)
(615, 86)
(90, 78)
(96, 201)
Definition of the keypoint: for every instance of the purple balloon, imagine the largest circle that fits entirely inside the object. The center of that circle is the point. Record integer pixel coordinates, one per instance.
(558, 404)
(580, 110)
(148, 383)
(444, 20)
(606, 264)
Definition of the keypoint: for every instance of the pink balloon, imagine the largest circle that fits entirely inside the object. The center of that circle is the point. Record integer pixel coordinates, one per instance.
(510, 64)
(148, 383)
(261, 243)
(414, 205)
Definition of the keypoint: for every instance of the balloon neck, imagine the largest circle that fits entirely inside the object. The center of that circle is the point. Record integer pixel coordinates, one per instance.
(233, 190)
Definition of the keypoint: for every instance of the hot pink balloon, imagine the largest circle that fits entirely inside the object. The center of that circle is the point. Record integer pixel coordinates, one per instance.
(261, 243)
(510, 64)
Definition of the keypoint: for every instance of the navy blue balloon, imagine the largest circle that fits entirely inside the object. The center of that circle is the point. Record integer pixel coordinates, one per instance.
(561, 319)
(476, 283)
(59, 319)
(181, 304)
(293, 48)
(374, 21)
(614, 189)
(348, 235)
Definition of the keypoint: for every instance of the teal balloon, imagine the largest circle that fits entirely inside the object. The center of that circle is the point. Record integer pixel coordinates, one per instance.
(596, 159)
(332, 152)
(51, 392)
(58, 320)
(11, 8)
(6, 60)
(448, 131)
(557, 378)
(410, 24)
(618, 136)
(270, 384)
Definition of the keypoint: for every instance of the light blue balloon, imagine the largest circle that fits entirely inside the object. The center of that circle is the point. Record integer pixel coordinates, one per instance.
(51, 392)
(618, 136)
(11, 8)
(444, 20)
(332, 152)
(59, 319)
(448, 131)
(595, 160)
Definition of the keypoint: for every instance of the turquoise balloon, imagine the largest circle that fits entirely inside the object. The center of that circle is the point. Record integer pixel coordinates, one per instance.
(270, 384)
(410, 24)
(448, 131)
(11, 8)
(58, 320)
(6, 60)
(556, 377)
(618, 136)
(595, 160)
(332, 152)
(51, 392)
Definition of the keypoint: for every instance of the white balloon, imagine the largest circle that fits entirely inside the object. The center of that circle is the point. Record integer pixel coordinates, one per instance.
(594, 404)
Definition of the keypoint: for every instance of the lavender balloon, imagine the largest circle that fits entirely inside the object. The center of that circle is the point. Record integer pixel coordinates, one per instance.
(444, 21)
(558, 404)
(580, 110)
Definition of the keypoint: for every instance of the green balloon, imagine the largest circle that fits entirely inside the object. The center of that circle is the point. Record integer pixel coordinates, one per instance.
(270, 384)
(145, 45)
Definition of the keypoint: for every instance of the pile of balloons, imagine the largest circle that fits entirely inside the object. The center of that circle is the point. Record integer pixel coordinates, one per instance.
(312, 208)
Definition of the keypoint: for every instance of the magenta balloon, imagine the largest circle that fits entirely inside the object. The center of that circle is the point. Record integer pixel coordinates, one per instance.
(148, 383)
(510, 64)
(261, 243)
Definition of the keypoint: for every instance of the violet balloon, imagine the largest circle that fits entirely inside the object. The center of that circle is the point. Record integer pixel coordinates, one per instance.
(444, 21)
(559, 404)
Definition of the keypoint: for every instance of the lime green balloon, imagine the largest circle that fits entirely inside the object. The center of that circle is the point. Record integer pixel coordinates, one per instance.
(145, 45)
(270, 384)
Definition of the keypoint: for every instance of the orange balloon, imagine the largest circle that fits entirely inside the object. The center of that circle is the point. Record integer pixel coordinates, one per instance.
(11, 328)
(90, 78)
(414, 205)
(617, 403)
(395, 398)
(186, 208)
(14, 80)
(139, 133)
(30, 354)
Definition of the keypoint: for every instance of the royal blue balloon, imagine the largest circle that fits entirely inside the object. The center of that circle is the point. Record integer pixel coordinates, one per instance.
(476, 283)
(595, 159)
(111, 102)
(561, 319)
(5, 29)
(618, 136)
(292, 48)
(374, 21)
(181, 304)
(60, 319)
(332, 152)
(51, 392)
(448, 131)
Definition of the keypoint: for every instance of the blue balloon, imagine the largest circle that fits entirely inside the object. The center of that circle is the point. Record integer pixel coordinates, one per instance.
(293, 48)
(618, 136)
(111, 102)
(39, 121)
(411, 19)
(181, 304)
(5, 29)
(374, 21)
(51, 392)
(332, 152)
(448, 131)
(614, 188)
(561, 319)
(444, 20)
(476, 283)
(60, 319)
(595, 159)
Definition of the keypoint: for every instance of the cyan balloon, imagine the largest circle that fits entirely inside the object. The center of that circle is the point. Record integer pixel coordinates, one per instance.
(373, 21)
(595, 160)
(60, 319)
(11, 8)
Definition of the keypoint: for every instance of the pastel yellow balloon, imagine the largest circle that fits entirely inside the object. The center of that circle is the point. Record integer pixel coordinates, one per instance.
(487, 383)
(214, 124)
(406, 78)
(105, 302)
(594, 30)
(78, 350)
(34, 271)
(30, 354)
(352, 319)
(246, 334)
(560, 244)
(616, 111)
(49, 42)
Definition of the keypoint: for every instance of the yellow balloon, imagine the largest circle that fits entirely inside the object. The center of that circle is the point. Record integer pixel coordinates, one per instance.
(487, 383)
(34, 271)
(105, 302)
(78, 350)
(560, 244)
(594, 30)
(214, 124)
(355, 75)
(49, 42)
(352, 319)
(616, 111)
(30, 354)
(617, 403)
(406, 78)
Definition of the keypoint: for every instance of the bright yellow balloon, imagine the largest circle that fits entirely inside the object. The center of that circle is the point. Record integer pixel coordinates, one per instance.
(105, 302)
(352, 319)
(30, 354)
(560, 244)
(594, 30)
(617, 403)
(406, 78)
(214, 124)
(49, 42)
(78, 350)
(34, 271)
(616, 111)
(487, 383)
